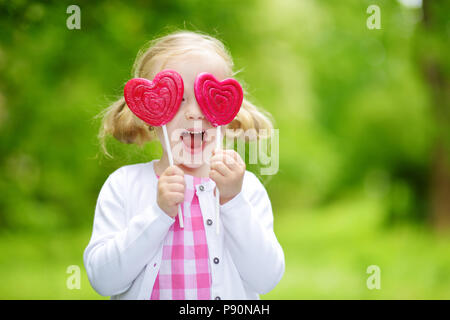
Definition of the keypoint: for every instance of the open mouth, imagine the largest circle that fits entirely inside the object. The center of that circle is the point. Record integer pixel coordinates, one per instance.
(194, 141)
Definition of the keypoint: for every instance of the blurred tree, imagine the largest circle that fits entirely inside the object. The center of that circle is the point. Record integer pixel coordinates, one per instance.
(433, 54)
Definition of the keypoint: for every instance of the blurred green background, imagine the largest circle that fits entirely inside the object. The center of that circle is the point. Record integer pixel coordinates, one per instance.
(363, 119)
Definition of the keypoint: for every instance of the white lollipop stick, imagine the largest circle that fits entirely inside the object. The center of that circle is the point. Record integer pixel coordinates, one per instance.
(169, 154)
(218, 146)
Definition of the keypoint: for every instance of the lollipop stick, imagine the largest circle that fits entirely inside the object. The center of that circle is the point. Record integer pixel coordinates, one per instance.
(169, 154)
(218, 146)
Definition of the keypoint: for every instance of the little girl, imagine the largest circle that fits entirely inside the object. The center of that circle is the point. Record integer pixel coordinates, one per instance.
(137, 249)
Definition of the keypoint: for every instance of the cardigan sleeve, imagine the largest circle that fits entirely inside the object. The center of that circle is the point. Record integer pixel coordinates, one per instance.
(249, 236)
(119, 249)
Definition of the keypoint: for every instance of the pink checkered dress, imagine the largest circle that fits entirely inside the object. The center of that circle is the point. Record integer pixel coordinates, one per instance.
(185, 273)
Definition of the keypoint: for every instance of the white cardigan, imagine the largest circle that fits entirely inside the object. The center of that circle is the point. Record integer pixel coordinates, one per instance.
(123, 256)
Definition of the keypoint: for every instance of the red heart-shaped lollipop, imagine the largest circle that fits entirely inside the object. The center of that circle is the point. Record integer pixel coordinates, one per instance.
(156, 102)
(219, 101)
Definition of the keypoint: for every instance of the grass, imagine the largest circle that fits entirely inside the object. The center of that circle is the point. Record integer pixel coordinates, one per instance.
(327, 253)
(35, 266)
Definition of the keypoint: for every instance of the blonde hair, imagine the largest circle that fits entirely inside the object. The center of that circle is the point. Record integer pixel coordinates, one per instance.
(122, 124)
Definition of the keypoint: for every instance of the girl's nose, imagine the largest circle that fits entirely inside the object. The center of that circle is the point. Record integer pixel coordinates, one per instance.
(193, 112)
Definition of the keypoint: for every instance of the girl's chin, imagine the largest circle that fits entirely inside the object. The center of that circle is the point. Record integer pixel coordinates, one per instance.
(192, 164)
(194, 158)
(193, 161)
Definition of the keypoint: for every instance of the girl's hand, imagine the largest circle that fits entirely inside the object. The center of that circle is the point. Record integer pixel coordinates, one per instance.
(171, 187)
(227, 170)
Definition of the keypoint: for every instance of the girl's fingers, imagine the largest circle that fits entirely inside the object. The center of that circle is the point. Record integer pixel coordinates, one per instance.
(221, 154)
(235, 156)
(176, 197)
(228, 160)
(173, 170)
(221, 168)
(176, 187)
(216, 176)
(231, 162)
(174, 179)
